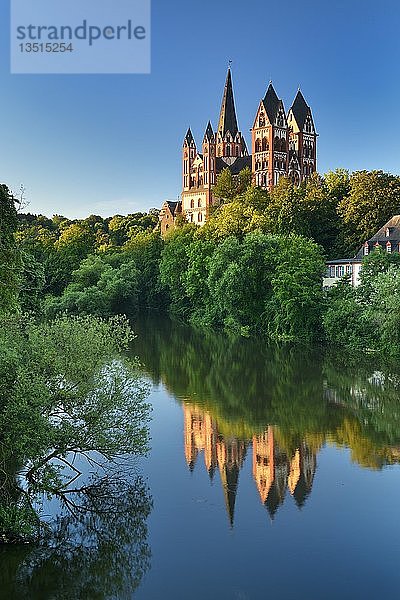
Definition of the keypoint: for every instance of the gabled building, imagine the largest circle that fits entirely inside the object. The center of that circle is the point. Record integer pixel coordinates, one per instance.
(387, 238)
(168, 213)
(281, 145)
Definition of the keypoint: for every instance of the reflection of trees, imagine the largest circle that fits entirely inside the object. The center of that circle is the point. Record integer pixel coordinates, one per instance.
(241, 381)
(372, 396)
(96, 549)
(245, 386)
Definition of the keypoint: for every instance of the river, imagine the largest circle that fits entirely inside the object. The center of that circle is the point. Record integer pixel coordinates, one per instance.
(273, 472)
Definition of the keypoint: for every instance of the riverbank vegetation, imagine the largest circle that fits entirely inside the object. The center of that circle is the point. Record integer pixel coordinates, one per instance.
(255, 268)
(72, 405)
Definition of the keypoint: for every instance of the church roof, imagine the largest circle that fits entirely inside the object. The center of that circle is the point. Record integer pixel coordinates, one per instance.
(209, 134)
(238, 165)
(271, 103)
(227, 119)
(174, 207)
(189, 136)
(300, 109)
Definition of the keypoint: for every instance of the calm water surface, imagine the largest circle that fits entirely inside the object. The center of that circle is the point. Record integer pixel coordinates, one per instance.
(273, 473)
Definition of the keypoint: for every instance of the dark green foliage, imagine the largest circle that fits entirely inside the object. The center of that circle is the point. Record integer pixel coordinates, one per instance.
(259, 283)
(32, 282)
(173, 268)
(144, 250)
(60, 245)
(255, 266)
(9, 254)
(99, 287)
(297, 301)
(367, 318)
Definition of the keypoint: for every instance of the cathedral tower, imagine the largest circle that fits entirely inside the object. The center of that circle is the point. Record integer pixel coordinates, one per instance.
(225, 148)
(302, 140)
(230, 142)
(269, 140)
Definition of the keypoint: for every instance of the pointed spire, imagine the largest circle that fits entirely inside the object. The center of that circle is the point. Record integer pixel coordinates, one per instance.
(209, 134)
(300, 109)
(227, 119)
(271, 103)
(189, 137)
(229, 479)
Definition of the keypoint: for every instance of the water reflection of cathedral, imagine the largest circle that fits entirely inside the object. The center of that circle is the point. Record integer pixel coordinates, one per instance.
(274, 469)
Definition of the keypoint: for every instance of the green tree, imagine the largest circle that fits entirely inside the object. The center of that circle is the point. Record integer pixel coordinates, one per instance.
(373, 199)
(229, 186)
(244, 214)
(144, 250)
(65, 388)
(284, 211)
(296, 304)
(319, 207)
(9, 255)
(173, 267)
(100, 286)
(375, 263)
(345, 323)
(239, 282)
(383, 311)
(32, 282)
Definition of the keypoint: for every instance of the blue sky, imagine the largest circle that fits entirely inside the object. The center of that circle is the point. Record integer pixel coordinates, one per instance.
(108, 144)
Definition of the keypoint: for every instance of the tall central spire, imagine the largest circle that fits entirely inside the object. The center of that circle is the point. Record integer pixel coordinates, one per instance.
(227, 118)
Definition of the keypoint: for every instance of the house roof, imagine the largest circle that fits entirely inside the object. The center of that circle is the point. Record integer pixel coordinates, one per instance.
(344, 261)
(390, 232)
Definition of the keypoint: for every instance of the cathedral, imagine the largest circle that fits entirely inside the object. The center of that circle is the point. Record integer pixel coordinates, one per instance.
(282, 144)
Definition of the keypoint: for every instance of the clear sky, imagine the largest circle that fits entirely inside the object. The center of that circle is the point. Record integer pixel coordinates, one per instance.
(108, 144)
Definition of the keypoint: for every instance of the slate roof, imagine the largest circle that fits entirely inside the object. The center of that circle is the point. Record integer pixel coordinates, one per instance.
(240, 163)
(174, 207)
(271, 103)
(300, 109)
(381, 237)
(227, 119)
(189, 137)
(209, 134)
